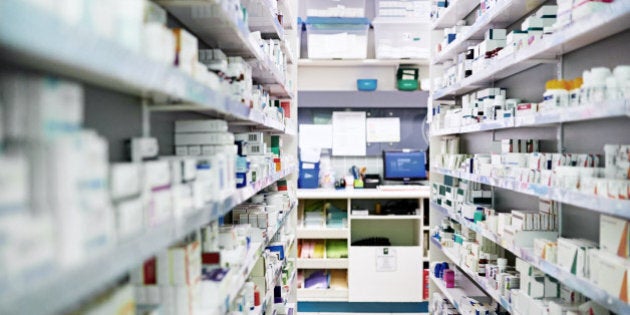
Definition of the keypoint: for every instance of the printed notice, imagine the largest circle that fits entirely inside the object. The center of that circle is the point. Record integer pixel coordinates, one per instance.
(348, 134)
(316, 136)
(383, 129)
(385, 260)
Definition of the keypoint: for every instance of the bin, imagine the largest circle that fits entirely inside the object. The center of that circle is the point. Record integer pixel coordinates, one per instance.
(335, 8)
(309, 175)
(396, 40)
(337, 38)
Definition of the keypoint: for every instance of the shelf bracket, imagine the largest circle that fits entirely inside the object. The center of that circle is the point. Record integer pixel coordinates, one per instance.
(146, 118)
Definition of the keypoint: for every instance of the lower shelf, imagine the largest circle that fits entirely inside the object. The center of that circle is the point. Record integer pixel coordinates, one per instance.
(464, 287)
(322, 263)
(322, 295)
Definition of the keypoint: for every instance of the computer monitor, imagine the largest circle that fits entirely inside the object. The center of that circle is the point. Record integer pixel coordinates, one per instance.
(404, 165)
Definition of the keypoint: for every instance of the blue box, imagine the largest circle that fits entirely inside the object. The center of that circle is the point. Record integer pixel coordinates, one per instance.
(366, 84)
(309, 175)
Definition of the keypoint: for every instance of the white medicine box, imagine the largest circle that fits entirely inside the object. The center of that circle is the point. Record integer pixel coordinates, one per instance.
(337, 38)
(396, 40)
(335, 8)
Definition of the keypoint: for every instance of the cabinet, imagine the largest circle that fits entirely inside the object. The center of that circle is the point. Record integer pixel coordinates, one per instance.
(578, 129)
(375, 272)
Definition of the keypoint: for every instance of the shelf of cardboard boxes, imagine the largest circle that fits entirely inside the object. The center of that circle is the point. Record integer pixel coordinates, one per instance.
(51, 44)
(480, 281)
(463, 287)
(457, 10)
(224, 30)
(63, 288)
(607, 109)
(599, 295)
(501, 15)
(599, 25)
(264, 18)
(616, 207)
(289, 21)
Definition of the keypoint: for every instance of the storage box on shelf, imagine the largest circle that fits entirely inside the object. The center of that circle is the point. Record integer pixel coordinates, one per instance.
(409, 10)
(344, 38)
(396, 40)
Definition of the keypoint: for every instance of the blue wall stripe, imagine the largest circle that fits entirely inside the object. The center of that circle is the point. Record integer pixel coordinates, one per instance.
(367, 307)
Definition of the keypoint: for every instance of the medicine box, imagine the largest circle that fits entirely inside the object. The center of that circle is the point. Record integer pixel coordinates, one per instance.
(613, 235)
(496, 33)
(395, 40)
(250, 137)
(329, 38)
(125, 179)
(335, 8)
(185, 50)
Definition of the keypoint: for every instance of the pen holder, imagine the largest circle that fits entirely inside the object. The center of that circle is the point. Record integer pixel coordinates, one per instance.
(358, 183)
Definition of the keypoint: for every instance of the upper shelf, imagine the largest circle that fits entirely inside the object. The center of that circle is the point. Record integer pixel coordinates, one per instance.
(360, 62)
(323, 193)
(612, 19)
(360, 99)
(34, 38)
(457, 10)
(267, 24)
(500, 16)
(51, 295)
(219, 31)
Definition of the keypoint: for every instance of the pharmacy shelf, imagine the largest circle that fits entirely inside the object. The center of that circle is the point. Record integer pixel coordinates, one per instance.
(322, 263)
(37, 39)
(501, 15)
(360, 62)
(385, 217)
(611, 19)
(603, 110)
(363, 99)
(218, 30)
(288, 51)
(478, 280)
(599, 204)
(457, 10)
(323, 193)
(322, 295)
(289, 22)
(267, 24)
(582, 285)
(322, 233)
(464, 288)
(238, 113)
(64, 288)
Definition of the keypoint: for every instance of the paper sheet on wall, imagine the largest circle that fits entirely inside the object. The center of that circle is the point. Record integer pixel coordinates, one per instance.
(348, 134)
(316, 136)
(383, 129)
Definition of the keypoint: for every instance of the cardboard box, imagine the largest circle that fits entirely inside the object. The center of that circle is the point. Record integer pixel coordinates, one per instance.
(614, 236)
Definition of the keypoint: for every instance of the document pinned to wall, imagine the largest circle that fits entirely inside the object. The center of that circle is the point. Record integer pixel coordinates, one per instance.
(316, 136)
(385, 129)
(349, 137)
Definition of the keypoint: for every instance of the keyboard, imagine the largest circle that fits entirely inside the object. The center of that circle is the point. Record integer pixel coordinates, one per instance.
(399, 187)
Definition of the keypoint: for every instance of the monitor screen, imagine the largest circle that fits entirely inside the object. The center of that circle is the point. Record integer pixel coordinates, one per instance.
(404, 165)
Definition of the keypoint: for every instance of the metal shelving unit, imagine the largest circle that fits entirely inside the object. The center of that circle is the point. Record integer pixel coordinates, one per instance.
(565, 48)
(35, 39)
